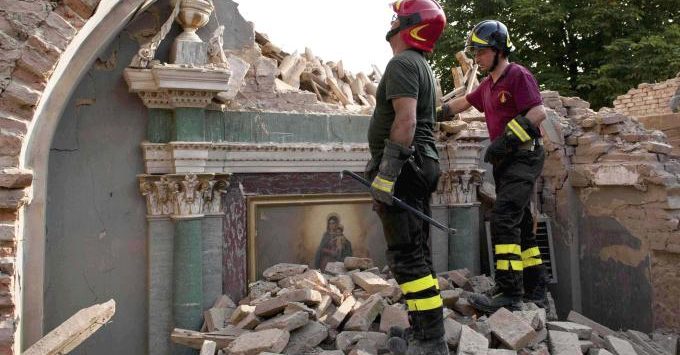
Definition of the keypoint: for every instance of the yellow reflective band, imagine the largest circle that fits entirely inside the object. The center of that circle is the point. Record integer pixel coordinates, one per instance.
(531, 252)
(508, 42)
(436, 282)
(532, 262)
(418, 285)
(502, 265)
(519, 131)
(425, 304)
(397, 5)
(477, 39)
(414, 32)
(508, 249)
(382, 184)
(517, 265)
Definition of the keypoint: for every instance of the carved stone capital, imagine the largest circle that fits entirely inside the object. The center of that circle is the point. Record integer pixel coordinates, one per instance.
(183, 196)
(460, 155)
(458, 187)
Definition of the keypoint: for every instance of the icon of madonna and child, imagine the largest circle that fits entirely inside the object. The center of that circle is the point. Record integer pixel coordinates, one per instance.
(334, 246)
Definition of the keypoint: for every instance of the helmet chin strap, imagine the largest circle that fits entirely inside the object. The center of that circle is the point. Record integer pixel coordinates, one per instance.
(495, 61)
(391, 33)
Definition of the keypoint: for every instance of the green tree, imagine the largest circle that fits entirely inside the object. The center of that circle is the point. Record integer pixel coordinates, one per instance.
(594, 49)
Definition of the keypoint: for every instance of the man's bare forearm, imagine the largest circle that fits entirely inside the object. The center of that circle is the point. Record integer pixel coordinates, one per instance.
(403, 129)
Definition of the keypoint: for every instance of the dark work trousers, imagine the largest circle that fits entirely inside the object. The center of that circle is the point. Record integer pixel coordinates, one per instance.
(519, 266)
(408, 252)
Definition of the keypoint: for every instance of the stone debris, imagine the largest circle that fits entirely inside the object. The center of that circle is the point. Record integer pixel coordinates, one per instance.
(583, 332)
(287, 314)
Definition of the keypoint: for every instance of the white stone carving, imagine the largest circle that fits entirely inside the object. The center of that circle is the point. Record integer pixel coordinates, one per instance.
(182, 157)
(147, 52)
(216, 54)
(193, 14)
(183, 195)
(458, 187)
(171, 85)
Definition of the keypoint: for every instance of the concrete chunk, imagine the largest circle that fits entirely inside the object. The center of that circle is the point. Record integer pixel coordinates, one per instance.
(241, 312)
(283, 270)
(306, 338)
(535, 318)
(394, 315)
(352, 263)
(510, 329)
(288, 322)
(271, 340)
(452, 332)
(366, 314)
(563, 343)
(667, 341)
(619, 346)
(597, 327)
(582, 331)
(335, 268)
(277, 304)
(471, 342)
(346, 339)
(450, 297)
(344, 283)
(369, 281)
(341, 313)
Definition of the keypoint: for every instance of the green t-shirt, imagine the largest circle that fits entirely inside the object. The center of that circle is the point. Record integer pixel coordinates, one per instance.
(407, 75)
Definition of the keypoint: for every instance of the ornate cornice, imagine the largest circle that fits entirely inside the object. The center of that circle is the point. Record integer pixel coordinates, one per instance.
(182, 157)
(183, 195)
(171, 85)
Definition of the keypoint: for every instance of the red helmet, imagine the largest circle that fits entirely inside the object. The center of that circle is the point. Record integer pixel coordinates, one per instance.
(421, 23)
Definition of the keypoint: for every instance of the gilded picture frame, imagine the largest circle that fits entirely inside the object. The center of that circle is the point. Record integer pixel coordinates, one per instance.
(311, 229)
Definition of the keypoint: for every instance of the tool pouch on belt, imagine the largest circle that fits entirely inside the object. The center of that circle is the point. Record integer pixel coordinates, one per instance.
(393, 159)
(517, 132)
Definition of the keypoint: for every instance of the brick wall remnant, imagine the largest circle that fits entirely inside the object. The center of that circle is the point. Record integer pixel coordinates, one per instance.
(618, 169)
(648, 99)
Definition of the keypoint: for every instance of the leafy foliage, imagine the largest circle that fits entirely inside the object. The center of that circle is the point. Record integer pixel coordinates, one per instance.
(594, 49)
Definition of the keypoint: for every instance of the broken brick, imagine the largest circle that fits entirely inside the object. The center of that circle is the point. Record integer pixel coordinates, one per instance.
(471, 342)
(563, 343)
(341, 313)
(394, 315)
(272, 340)
(277, 304)
(352, 263)
(511, 330)
(369, 281)
(583, 332)
(288, 322)
(364, 316)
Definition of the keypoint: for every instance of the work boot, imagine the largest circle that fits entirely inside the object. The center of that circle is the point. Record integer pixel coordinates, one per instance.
(436, 346)
(490, 304)
(401, 342)
(535, 283)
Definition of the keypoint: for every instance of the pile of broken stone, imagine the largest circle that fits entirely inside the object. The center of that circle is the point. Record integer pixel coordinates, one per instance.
(350, 306)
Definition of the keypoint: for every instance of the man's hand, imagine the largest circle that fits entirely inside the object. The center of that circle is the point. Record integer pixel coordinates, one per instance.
(393, 159)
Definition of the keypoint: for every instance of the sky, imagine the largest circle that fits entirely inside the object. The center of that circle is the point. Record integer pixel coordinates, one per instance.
(351, 30)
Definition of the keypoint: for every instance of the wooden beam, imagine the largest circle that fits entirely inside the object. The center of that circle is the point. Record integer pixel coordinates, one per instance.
(457, 74)
(194, 339)
(74, 330)
(335, 89)
(472, 79)
(464, 61)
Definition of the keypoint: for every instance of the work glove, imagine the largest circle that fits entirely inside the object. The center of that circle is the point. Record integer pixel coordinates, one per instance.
(519, 130)
(442, 113)
(393, 159)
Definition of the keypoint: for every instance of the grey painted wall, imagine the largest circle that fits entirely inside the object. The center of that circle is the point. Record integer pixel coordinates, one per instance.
(96, 227)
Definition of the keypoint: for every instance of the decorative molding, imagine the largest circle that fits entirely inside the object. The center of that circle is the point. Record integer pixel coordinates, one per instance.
(147, 52)
(460, 155)
(458, 187)
(182, 157)
(183, 195)
(171, 85)
(193, 14)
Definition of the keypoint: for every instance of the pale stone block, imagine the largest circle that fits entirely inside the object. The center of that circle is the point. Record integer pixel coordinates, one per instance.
(271, 340)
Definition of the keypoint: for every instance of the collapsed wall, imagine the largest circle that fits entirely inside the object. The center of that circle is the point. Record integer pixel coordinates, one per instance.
(655, 106)
(614, 195)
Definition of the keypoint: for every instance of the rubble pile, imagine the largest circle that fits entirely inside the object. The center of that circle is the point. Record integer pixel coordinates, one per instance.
(350, 306)
(277, 80)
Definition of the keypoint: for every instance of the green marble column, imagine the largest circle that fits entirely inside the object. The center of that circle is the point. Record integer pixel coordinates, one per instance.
(160, 126)
(464, 247)
(188, 273)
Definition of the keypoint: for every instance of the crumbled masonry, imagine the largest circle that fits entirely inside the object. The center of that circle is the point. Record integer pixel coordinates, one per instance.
(298, 310)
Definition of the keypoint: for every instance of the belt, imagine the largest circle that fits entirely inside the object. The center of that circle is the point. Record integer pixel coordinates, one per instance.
(531, 145)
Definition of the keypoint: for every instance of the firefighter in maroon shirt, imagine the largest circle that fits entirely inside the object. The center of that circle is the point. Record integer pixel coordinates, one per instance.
(513, 109)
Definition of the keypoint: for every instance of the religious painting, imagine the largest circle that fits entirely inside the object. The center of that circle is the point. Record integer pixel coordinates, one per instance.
(311, 230)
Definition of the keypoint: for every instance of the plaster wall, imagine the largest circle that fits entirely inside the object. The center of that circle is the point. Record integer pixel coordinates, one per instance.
(96, 228)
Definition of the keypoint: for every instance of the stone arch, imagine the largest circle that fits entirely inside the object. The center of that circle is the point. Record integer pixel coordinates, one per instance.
(48, 103)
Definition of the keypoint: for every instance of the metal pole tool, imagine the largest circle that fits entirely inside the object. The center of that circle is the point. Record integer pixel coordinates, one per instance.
(402, 204)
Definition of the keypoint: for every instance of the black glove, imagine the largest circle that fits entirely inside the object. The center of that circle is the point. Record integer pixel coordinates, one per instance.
(393, 159)
(519, 130)
(442, 113)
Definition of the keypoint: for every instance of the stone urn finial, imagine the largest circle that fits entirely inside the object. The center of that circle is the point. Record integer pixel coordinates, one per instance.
(193, 14)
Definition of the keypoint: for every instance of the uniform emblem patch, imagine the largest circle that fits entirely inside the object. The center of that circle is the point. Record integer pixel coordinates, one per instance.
(504, 96)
